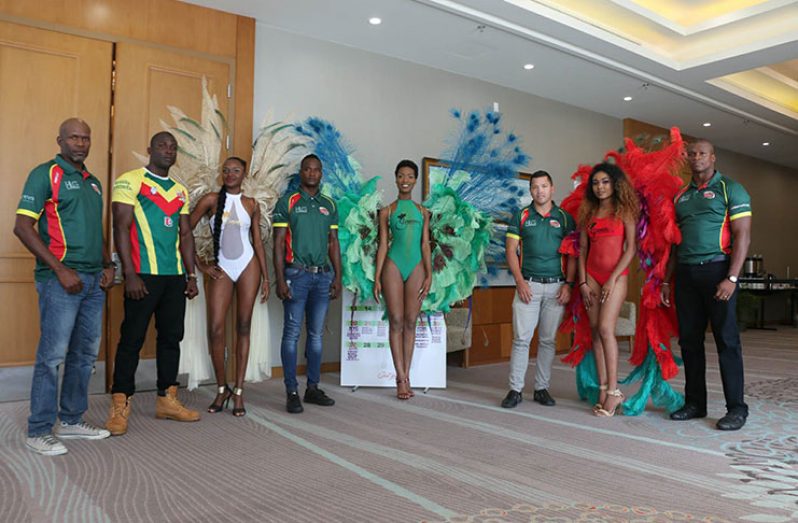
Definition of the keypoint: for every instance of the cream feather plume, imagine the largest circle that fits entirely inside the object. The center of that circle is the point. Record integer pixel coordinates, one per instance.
(276, 153)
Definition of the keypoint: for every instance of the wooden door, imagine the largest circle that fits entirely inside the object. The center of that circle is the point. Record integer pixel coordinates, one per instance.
(45, 78)
(148, 80)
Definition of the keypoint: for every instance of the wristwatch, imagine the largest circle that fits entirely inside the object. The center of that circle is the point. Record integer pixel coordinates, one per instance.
(732, 278)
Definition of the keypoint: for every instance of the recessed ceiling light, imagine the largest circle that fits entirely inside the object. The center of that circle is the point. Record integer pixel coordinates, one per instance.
(766, 144)
(627, 98)
(375, 20)
(707, 124)
(529, 67)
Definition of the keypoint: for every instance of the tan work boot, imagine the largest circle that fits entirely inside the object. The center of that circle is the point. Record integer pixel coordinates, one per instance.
(169, 407)
(120, 411)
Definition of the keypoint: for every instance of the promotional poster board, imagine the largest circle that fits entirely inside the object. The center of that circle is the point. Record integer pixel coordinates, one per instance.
(366, 355)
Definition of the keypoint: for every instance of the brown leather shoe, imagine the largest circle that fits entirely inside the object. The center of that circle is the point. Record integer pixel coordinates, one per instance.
(120, 412)
(169, 407)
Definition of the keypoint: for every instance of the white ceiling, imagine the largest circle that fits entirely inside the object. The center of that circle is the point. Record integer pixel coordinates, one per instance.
(587, 53)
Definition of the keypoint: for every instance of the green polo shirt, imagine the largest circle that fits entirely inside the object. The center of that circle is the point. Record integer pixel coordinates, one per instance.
(704, 215)
(67, 203)
(309, 220)
(540, 238)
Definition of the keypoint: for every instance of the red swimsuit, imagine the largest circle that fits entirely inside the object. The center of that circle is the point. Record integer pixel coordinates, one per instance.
(606, 237)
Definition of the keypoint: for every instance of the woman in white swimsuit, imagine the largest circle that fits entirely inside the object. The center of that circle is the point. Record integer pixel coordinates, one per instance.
(234, 220)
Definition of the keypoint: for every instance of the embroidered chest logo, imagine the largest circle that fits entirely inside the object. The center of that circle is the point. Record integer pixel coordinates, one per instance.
(72, 185)
(96, 188)
(299, 209)
(168, 222)
(709, 195)
(530, 223)
(554, 223)
(153, 190)
(684, 198)
(324, 211)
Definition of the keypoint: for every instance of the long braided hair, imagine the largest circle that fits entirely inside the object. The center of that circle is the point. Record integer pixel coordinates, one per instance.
(217, 218)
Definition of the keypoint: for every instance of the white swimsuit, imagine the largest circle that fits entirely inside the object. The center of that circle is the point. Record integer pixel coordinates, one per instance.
(235, 246)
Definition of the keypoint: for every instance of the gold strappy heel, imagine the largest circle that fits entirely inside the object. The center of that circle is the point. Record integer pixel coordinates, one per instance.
(610, 413)
(598, 405)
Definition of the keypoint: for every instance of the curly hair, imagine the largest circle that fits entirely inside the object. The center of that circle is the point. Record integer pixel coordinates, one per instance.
(624, 199)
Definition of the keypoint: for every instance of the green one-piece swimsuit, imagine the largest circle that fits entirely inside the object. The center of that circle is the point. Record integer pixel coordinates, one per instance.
(406, 224)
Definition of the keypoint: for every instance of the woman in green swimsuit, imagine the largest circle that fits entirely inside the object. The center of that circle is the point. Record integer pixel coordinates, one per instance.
(404, 271)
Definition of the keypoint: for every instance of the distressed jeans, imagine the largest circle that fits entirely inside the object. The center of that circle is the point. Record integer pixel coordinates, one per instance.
(310, 295)
(70, 330)
(544, 310)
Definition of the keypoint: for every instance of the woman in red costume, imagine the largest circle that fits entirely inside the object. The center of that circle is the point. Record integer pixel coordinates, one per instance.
(607, 218)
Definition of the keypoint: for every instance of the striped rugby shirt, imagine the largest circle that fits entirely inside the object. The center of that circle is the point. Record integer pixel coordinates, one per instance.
(67, 203)
(155, 233)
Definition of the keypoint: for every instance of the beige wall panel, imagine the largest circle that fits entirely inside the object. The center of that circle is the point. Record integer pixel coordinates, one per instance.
(164, 22)
(45, 77)
(147, 81)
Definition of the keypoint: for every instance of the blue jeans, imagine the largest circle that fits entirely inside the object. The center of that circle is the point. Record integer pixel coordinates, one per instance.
(310, 294)
(70, 327)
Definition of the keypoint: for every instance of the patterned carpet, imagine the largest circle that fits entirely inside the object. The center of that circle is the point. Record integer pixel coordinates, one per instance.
(449, 455)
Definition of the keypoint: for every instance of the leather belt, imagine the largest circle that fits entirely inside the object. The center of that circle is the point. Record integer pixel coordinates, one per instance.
(716, 259)
(554, 279)
(314, 269)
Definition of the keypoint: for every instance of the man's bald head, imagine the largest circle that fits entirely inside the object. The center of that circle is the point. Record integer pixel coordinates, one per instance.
(161, 136)
(71, 124)
(74, 139)
(704, 142)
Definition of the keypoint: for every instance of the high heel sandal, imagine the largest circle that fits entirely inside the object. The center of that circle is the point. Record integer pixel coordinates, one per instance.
(410, 388)
(598, 406)
(239, 411)
(402, 395)
(226, 393)
(610, 413)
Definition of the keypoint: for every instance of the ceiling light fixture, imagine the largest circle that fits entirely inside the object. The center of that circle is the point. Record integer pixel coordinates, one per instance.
(766, 144)
(707, 124)
(627, 98)
(374, 20)
(529, 67)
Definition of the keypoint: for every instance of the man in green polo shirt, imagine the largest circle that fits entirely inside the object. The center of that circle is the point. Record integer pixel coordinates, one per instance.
(714, 215)
(307, 266)
(65, 202)
(541, 288)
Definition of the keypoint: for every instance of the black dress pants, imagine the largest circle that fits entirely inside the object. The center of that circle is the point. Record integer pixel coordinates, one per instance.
(695, 287)
(167, 300)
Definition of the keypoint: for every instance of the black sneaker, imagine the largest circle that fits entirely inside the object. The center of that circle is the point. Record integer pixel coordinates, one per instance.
(543, 397)
(292, 404)
(317, 396)
(512, 399)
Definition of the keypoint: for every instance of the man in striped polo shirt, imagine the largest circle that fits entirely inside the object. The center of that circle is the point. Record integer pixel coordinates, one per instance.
(153, 236)
(714, 215)
(72, 271)
(307, 266)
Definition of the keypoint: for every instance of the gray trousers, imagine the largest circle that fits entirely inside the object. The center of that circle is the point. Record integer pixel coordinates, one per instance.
(543, 309)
